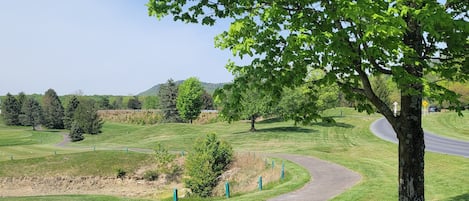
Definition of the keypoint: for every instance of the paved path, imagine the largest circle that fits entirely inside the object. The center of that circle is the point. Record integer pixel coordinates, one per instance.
(433, 143)
(329, 179)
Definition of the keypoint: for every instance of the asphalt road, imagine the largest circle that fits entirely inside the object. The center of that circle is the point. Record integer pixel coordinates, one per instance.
(433, 143)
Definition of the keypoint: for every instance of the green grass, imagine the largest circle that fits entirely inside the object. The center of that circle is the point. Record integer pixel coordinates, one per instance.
(349, 142)
(448, 124)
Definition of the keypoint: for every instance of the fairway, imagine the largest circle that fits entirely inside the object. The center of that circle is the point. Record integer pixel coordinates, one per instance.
(448, 124)
(348, 142)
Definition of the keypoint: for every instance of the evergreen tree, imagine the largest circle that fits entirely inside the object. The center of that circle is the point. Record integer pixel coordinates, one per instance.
(207, 101)
(117, 103)
(104, 104)
(134, 103)
(168, 97)
(11, 110)
(87, 118)
(70, 111)
(189, 100)
(53, 110)
(31, 113)
(76, 132)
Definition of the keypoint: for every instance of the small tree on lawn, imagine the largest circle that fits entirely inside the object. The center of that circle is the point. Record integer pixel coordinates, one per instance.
(76, 132)
(70, 112)
(189, 100)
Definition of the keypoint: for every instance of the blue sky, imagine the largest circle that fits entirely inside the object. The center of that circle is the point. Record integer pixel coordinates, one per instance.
(106, 47)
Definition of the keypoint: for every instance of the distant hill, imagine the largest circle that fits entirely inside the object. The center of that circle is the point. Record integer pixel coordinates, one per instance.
(209, 87)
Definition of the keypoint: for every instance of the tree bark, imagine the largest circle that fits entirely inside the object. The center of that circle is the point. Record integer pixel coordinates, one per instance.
(253, 121)
(408, 128)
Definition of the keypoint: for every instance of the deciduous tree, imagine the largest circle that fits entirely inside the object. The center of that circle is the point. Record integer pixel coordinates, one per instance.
(189, 100)
(350, 40)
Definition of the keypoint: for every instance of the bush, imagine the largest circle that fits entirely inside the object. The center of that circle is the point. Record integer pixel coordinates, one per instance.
(166, 163)
(120, 173)
(206, 163)
(150, 175)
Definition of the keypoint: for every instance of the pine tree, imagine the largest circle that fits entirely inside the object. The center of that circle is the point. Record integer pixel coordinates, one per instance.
(31, 113)
(76, 132)
(53, 110)
(70, 111)
(87, 118)
(168, 97)
(11, 110)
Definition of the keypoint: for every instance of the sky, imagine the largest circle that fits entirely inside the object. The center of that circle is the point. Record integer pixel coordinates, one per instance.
(101, 47)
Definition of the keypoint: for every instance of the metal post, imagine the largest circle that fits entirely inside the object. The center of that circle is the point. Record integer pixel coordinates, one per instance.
(126, 150)
(227, 190)
(182, 153)
(282, 174)
(175, 194)
(260, 183)
(273, 164)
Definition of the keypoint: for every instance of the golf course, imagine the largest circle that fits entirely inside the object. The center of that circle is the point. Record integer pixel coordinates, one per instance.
(347, 142)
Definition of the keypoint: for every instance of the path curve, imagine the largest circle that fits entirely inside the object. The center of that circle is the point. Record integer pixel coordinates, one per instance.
(433, 143)
(330, 179)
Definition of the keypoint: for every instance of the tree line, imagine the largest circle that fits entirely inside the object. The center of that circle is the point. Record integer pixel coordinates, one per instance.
(79, 116)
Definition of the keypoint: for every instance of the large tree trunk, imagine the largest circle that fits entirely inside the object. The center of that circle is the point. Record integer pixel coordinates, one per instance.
(411, 149)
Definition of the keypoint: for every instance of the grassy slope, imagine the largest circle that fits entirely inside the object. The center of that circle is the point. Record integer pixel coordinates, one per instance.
(349, 142)
(448, 124)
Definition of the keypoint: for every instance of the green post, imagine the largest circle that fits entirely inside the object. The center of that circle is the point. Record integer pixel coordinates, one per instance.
(126, 150)
(182, 153)
(260, 183)
(227, 190)
(273, 164)
(175, 194)
(282, 174)
(55, 152)
(94, 148)
(11, 157)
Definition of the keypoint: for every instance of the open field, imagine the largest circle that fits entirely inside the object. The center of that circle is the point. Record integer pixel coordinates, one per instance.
(448, 124)
(347, 142)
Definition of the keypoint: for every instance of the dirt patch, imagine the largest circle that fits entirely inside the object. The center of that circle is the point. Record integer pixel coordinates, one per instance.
(127, 187)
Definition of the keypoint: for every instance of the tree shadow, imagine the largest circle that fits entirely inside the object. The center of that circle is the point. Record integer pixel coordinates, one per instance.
(271, 120)
(282, 129)
(332, 124)
(461, 197)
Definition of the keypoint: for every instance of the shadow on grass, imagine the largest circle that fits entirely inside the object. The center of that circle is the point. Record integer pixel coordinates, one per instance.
(282, 129)
(271, 120)
(461, 197)
(328, 124)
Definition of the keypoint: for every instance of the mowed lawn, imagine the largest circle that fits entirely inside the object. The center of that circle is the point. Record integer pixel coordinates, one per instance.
(448, 124)
(348, 142)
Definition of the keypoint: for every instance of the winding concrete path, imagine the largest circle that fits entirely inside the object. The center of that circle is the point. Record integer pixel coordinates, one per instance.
(329, 179)
(433, 143)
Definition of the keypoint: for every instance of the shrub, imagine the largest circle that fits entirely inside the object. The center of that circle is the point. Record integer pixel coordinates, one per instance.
(120, 173)
(150, 175)
(206, 163)
(76, 132)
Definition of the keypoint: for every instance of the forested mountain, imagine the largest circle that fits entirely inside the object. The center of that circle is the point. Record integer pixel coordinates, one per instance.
(209, 87)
